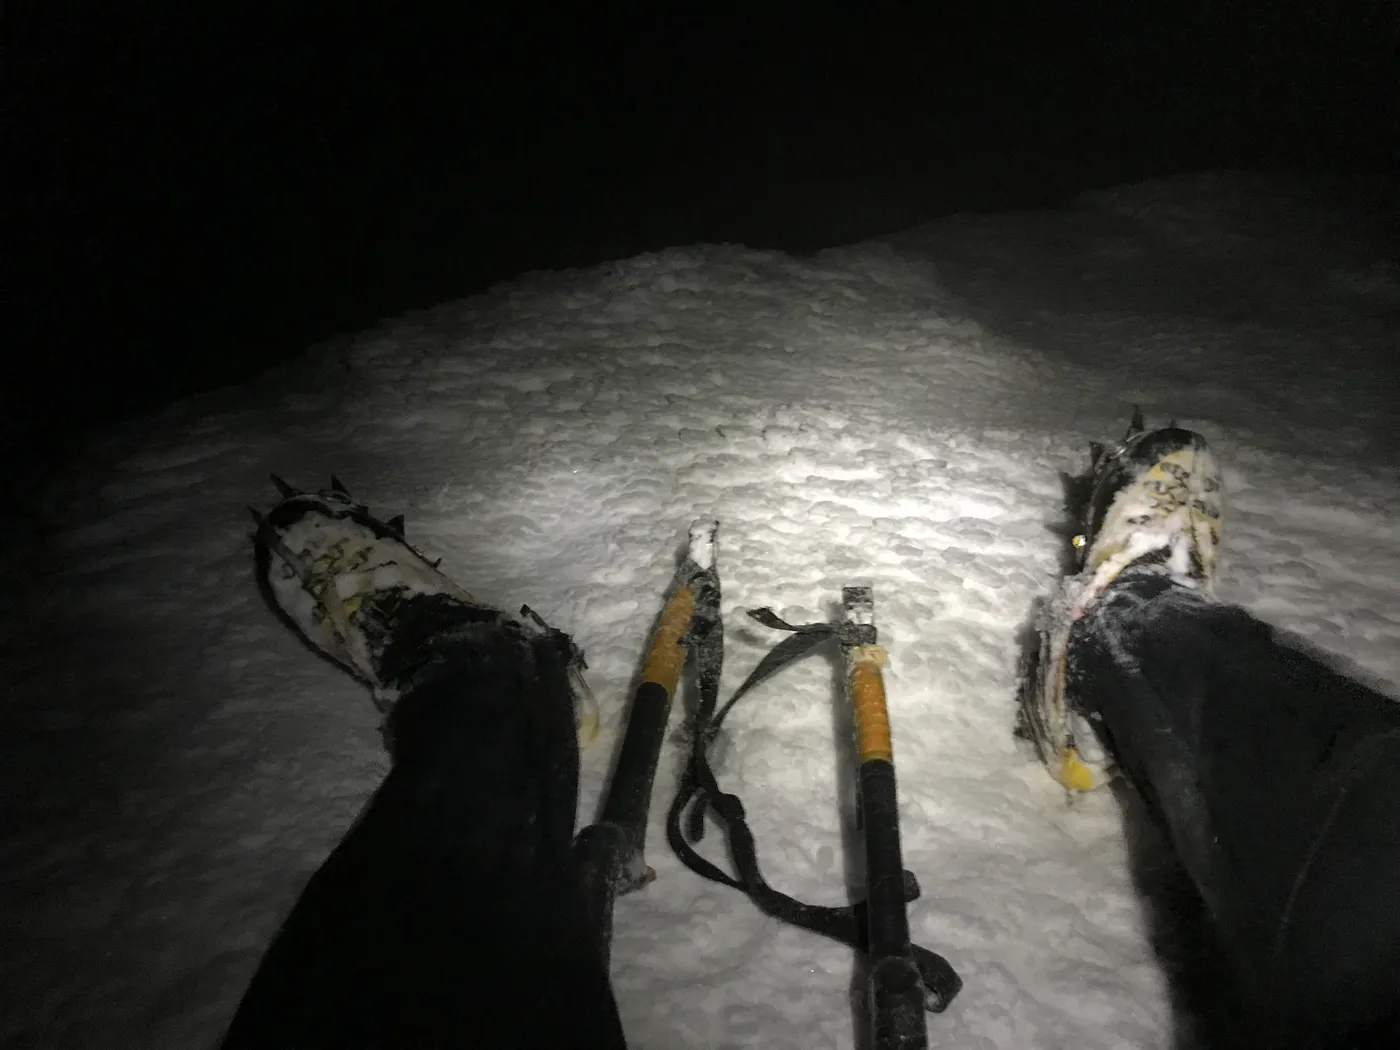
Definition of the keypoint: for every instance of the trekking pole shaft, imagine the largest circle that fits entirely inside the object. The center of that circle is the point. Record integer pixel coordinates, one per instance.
(897, 1000)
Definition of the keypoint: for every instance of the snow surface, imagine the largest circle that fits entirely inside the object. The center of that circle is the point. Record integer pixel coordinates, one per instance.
(177, 763)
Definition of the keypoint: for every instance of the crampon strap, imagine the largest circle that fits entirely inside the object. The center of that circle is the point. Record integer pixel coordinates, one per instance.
(699, 791)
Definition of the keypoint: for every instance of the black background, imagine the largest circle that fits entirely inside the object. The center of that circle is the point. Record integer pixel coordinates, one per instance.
(193, 196)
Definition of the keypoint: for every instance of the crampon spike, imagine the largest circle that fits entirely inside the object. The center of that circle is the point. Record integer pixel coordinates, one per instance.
(396, 523)
(287, 490)
(1136, 425)
(338, 486)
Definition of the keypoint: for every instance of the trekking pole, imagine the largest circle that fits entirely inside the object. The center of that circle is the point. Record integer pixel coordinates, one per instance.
(895, 988)
(611, 853)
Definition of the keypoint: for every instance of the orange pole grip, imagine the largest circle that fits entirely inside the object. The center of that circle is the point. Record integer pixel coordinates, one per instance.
(667, 653)
(869, 711)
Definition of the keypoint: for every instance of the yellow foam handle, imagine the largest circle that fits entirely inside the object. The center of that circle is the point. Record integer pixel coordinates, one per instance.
(667, 653)
(868, 708)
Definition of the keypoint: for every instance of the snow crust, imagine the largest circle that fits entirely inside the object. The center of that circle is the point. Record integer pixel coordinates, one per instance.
(177, 763)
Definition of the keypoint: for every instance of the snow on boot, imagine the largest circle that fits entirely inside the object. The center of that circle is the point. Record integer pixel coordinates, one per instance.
(1152, 503)
(355, 588)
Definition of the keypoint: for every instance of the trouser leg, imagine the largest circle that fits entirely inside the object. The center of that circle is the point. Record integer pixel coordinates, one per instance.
(1277, 779)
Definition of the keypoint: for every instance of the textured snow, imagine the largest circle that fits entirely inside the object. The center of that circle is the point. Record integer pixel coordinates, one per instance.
(177, 762)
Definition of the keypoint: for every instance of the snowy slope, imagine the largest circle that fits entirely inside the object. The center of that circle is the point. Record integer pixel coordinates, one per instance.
(177, 763)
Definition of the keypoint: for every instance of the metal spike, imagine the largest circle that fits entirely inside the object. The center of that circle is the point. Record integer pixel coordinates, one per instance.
(257, 516)
(338, 486)
(1095, 453)
(396, 523)
(287, 491)
(1136, 425)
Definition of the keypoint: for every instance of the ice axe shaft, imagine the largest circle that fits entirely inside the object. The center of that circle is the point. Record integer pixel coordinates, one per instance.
(895, 987)
(611, 853)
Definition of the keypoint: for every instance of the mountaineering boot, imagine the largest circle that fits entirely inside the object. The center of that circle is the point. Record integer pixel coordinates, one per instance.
(1148, 511)
(355, 588)
(1270, 766)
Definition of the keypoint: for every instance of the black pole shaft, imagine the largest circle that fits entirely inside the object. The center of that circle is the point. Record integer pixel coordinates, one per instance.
(897, 1001)
(630, 798)
(610, 855)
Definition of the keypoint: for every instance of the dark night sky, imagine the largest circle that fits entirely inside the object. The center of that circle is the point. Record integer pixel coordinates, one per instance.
(194, 197)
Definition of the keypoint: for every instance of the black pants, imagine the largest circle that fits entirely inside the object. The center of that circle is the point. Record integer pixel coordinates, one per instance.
(1277, 780)
(451, 914)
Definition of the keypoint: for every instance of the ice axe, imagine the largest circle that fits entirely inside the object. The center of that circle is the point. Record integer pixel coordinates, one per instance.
(905, 979)
(611, 853)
